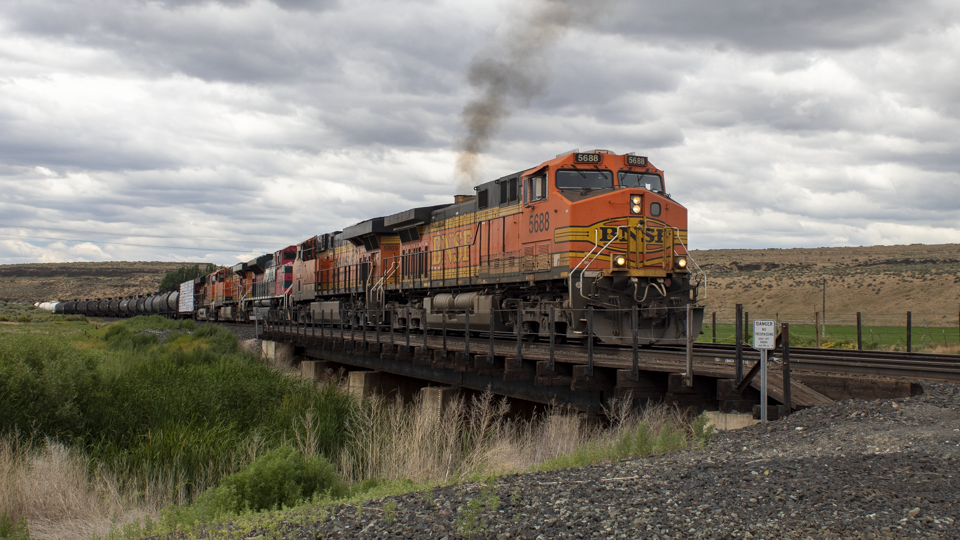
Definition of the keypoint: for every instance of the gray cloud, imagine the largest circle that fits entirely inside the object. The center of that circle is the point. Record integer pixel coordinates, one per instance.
(760, 26)
(814, 125)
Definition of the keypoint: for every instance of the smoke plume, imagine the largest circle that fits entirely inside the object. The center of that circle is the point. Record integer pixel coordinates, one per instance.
(511, 72)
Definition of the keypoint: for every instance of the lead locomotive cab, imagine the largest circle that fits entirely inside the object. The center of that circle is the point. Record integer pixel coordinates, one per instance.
(626, 240)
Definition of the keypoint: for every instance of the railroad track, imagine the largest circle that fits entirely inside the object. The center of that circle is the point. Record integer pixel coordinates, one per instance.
(919, 366)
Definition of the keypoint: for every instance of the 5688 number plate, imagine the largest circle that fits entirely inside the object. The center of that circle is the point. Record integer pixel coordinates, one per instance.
(539, 222)
(586, 158)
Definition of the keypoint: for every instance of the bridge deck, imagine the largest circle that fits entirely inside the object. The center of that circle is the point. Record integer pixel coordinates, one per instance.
(612, 358)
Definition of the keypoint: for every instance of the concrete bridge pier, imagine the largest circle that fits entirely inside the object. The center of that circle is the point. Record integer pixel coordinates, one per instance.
(436, 398)
(278, 352)
(363, 383)
(314, 370)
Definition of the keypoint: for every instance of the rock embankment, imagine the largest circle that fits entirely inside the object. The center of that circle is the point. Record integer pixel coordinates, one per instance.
(854, 469)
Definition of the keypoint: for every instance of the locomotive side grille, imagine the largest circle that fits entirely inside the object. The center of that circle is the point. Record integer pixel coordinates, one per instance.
(543, 256)
(529, 261)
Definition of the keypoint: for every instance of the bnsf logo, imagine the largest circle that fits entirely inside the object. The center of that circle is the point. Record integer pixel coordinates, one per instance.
(652, 235)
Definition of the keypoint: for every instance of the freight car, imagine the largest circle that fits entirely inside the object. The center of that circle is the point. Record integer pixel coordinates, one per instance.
(588, 238)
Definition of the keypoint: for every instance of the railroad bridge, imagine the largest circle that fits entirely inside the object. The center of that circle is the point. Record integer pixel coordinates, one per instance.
(586, 377)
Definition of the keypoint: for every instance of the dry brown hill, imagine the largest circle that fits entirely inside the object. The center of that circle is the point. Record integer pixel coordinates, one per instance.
(62, 281)
(882, 282)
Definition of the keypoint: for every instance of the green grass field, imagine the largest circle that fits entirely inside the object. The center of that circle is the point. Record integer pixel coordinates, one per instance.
(842, 336)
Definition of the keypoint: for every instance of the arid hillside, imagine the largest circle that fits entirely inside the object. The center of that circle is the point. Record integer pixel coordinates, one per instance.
(882, 282)
(62, 281)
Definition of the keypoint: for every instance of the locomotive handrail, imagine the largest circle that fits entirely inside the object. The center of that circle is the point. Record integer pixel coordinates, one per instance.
(616, 236)
(378, 288)
(595, 246)
(703, 275)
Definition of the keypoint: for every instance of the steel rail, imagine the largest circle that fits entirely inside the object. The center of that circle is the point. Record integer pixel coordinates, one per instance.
(725, 347)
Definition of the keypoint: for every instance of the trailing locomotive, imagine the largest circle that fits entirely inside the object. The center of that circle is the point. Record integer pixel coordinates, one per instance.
(587, 238)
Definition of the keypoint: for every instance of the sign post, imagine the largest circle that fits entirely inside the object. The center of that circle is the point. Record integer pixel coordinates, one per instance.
(764, 339)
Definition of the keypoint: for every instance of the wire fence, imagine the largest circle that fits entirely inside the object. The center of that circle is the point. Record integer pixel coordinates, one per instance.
(867, 331)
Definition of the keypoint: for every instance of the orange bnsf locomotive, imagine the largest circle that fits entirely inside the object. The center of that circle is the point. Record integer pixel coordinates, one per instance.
(585, 232)
(589, 238)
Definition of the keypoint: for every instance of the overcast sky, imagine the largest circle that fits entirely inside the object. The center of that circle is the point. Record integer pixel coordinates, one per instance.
(216, 131)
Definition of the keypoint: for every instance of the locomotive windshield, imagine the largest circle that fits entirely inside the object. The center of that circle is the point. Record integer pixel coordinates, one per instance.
(584, 179)
(651, 182)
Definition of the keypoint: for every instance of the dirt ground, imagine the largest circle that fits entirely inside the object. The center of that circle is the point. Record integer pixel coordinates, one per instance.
(882, 282)
(31, 283)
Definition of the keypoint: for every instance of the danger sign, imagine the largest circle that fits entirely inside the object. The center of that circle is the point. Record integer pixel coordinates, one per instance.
(764, 334)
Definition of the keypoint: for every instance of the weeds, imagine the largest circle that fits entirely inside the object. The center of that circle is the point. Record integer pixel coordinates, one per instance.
(389, 511)
(11, 531)
(654, 431)
(470, 519)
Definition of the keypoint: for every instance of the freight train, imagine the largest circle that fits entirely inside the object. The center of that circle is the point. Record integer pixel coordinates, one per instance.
(586, 239)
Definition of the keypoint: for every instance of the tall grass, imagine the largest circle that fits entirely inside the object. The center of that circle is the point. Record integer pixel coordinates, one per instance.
(469, 439)
(48, 486)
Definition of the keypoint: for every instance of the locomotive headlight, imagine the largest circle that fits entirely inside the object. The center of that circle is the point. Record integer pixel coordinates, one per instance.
(636, 209)
(618, 262)
(635, 199)
(682, 262)
(636, 204)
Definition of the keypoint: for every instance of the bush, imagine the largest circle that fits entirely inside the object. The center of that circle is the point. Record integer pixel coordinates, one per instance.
(280, 478)
(171, 280)
(155, 322)
(183, 413)
(9, 531)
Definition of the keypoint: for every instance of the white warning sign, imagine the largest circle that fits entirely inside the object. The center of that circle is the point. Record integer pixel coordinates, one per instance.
(764, 334)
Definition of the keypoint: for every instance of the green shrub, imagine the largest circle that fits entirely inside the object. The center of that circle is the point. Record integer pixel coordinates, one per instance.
(120, 337)
(155, 322)
(185, 412)
(45, 383)
(702, 433)
(9, 531)
(280, 478)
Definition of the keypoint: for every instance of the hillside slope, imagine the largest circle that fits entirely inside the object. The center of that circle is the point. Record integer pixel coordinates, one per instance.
(53, 281)
(882, 282)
